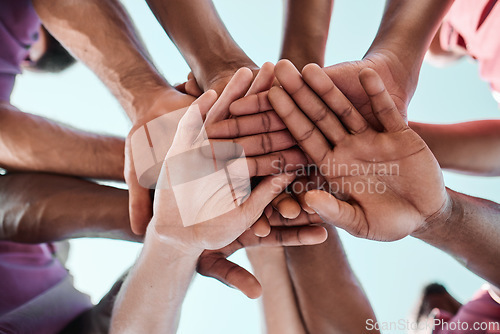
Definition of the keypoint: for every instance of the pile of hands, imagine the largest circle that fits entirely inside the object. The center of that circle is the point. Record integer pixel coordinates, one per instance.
(267, 155)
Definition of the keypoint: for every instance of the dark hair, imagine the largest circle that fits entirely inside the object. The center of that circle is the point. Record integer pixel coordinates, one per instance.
(56, 58)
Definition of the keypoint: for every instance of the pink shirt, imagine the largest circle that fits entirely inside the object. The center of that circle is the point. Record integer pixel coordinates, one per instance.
(481, 315)
(475, 25)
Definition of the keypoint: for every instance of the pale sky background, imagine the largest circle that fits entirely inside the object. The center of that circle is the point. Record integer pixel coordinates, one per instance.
(391, 273)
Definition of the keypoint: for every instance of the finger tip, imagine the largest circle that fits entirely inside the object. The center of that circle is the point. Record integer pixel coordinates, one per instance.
(310, 68)
(291, 211)
(262, 232)
(255, 292)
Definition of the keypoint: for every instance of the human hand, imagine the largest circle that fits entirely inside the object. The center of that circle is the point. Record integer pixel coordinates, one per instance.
(140, 203)
(247, 132)
(218, 81)
(381, 185)
(268, 133)
(212, 213)
(214, 263)
(400, 82)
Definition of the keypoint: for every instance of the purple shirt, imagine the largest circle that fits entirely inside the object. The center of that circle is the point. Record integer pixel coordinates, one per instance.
(36, 291)
(19, 27)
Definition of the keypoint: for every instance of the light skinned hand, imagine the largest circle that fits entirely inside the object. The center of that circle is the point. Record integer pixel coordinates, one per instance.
(223, 225)
(140, 203)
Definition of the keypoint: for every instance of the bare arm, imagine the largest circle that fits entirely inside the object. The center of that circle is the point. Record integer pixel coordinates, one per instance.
(280, 308)
(306, 31)
(33, 143)
(43, 208)
(468, 230)
(151, 297)
(197, 30)
(109, 45)
(329, 295)
(396, 53)
(471, 147)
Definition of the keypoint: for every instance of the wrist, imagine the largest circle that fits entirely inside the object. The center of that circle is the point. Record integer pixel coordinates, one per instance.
(179, 248)
(143, 99)
(438, 226)
(220, 67)
(145, 109)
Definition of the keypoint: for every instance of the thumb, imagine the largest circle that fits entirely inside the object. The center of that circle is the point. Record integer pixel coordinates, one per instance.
(336, 212)
(140, 207)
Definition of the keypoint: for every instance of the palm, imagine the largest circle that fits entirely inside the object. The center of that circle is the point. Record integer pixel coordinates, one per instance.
(383, 182)
(203, 195)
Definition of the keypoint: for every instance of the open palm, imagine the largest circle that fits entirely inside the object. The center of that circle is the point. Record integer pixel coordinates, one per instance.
(380, 185)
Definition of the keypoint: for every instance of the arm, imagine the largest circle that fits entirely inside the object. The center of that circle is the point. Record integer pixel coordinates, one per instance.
(468, 230)
(306, 31)
(329, 296)
(33, 143)
(471, 147)
(197, 30)
(281, 312)
(151, 297)
(109, 45)
(39, 208)
(396, 53)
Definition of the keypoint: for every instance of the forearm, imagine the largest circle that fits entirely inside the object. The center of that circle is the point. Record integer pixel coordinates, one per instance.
(470, 233)
(471, 147)
(151, 298)
(37, 208)
(100, 34)
(280, 307)
(33, 143)
(306, 31)
(407, 29)
(330, 297)
(200, 35)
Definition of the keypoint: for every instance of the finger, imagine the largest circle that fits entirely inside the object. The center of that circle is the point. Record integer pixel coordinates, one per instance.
(383, 105)
(264, 79)
(338, 213)
(191, 123)
(250, 104)
(140, 203)
(304, 218)
(324, 87)
(235, 89)
(255, 145)
(308, 137)
(307, 100)
(181, 87)
(261, 228)
(263, 194)
(299, 188)
(262, 122)
(217, 266)
(276, 163)
(192, 88)
(286, 205)
(294, 236)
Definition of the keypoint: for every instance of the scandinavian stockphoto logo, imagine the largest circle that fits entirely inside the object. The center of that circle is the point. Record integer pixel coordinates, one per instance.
(208, 178)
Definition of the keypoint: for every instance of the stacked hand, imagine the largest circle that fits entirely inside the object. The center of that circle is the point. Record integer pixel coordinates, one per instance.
(381, 185)
(220, 217)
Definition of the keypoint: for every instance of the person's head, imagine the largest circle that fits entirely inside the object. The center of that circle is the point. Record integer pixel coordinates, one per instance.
(48, 55)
